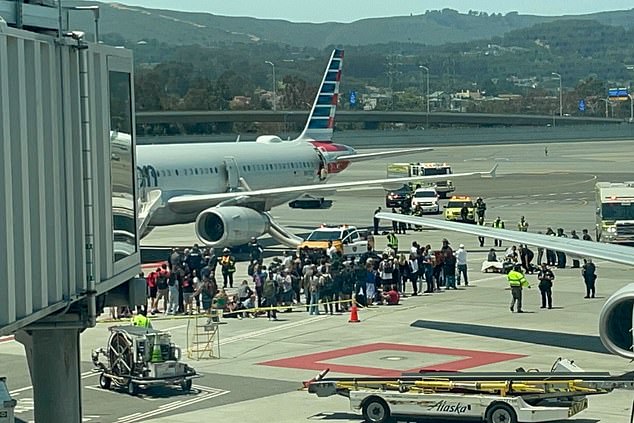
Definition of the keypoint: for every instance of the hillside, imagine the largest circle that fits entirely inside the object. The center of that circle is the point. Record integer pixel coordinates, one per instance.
(432, 28)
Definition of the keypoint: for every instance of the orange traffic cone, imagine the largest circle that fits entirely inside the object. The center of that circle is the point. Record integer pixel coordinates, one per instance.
(354, 313)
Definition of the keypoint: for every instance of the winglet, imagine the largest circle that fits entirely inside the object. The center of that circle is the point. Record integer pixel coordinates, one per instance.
(490, 173)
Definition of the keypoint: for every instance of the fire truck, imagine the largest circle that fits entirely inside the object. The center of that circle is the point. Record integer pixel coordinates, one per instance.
(615, 212)
(443, 188)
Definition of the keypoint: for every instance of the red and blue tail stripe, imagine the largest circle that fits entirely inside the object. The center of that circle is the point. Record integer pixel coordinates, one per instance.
(321, 121)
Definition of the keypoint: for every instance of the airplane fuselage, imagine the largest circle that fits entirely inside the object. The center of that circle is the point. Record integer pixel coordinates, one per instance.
(206, 168)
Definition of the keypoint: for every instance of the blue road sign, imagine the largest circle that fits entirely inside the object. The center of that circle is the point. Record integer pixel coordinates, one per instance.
(582, 105)
(617, 92)
(353, 98)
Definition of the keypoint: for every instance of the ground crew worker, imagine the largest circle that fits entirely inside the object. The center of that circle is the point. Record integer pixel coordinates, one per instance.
(522, 225)
(517, 281)
(228, 267)
(392, 241)
(141, 320)
(498, 223)
(546, 277)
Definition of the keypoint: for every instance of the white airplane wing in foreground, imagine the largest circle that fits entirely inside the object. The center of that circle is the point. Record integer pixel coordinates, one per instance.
(359, 157)
(610, 252)
(187, 202)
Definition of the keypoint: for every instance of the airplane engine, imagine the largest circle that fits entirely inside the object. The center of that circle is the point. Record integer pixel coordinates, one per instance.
(616, 324)
(228, 226)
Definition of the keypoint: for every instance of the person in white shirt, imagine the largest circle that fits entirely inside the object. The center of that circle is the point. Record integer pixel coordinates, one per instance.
(461, 262)
(414, 273)
(331, 251)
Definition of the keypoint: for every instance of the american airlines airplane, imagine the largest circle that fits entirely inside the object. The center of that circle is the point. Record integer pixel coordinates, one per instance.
(229, 188)
(616, 319)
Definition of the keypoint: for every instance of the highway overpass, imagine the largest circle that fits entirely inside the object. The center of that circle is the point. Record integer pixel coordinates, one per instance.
(370, 119)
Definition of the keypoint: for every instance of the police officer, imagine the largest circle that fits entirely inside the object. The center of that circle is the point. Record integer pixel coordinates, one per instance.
(522, 225)
(575, 261)
(481, 208)
(517, 281)
(588, 272)
(498, 223)
(546, 277)
(585, 235)
(481, 223)
(561, 256)
(376, 221)
(255, 250)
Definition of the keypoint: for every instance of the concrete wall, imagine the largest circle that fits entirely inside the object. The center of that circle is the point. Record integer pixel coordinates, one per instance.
(46, 254)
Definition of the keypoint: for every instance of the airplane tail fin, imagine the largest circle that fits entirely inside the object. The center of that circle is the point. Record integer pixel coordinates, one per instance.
(321, 120)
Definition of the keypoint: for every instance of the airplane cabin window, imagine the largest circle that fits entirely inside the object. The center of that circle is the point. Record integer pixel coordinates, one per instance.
(176, 172)
(196, 171)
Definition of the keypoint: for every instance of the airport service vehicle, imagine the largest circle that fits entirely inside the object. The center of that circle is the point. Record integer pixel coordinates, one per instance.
(615, 212)
(347, 239)
(141, 357)
(398, 197)
(454, 207)
(443, 187)
(426, 200)
(514, 397)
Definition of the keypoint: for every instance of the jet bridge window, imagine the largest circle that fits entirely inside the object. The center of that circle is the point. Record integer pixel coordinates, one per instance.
(122, 166)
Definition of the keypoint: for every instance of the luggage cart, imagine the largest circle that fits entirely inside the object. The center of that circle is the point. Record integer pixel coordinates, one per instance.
(520, 396)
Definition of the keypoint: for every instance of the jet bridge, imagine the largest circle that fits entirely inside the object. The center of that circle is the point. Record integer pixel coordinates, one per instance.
(68, 224)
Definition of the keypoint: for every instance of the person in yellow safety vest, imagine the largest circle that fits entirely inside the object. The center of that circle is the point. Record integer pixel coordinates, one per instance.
(392, 241)
(517, 281)
(498, 223)
(228, 267)
(141, 321)
(522, 225)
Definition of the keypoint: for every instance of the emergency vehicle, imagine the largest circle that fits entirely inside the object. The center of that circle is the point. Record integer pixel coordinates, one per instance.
(615, 212)
(347, 239)
(426, 200)
(400, 170)
(453, 209)
(495, 397)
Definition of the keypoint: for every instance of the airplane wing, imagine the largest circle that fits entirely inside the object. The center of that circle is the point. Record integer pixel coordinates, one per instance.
(189, 202)
(359, 157)
(610, 252)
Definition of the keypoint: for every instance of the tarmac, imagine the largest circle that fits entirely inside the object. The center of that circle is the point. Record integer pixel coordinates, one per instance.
(262, 363)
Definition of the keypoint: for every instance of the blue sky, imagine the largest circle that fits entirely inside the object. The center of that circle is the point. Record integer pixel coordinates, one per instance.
(351, 10)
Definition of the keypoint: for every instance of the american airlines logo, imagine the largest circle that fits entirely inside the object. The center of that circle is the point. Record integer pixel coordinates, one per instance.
(449, 407)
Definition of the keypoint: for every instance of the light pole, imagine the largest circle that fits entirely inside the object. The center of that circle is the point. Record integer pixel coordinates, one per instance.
(426, 69)
(274, 84)
(561, 102)
(607, 102)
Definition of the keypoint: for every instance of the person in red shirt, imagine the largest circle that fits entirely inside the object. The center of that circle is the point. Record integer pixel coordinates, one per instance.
(391, 297)
(152, 289)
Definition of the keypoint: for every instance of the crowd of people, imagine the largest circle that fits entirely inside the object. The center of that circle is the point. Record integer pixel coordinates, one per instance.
(197, 281)
(321, 281)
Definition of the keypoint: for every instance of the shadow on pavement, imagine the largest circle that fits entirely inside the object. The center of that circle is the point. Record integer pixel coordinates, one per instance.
(553, 339)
